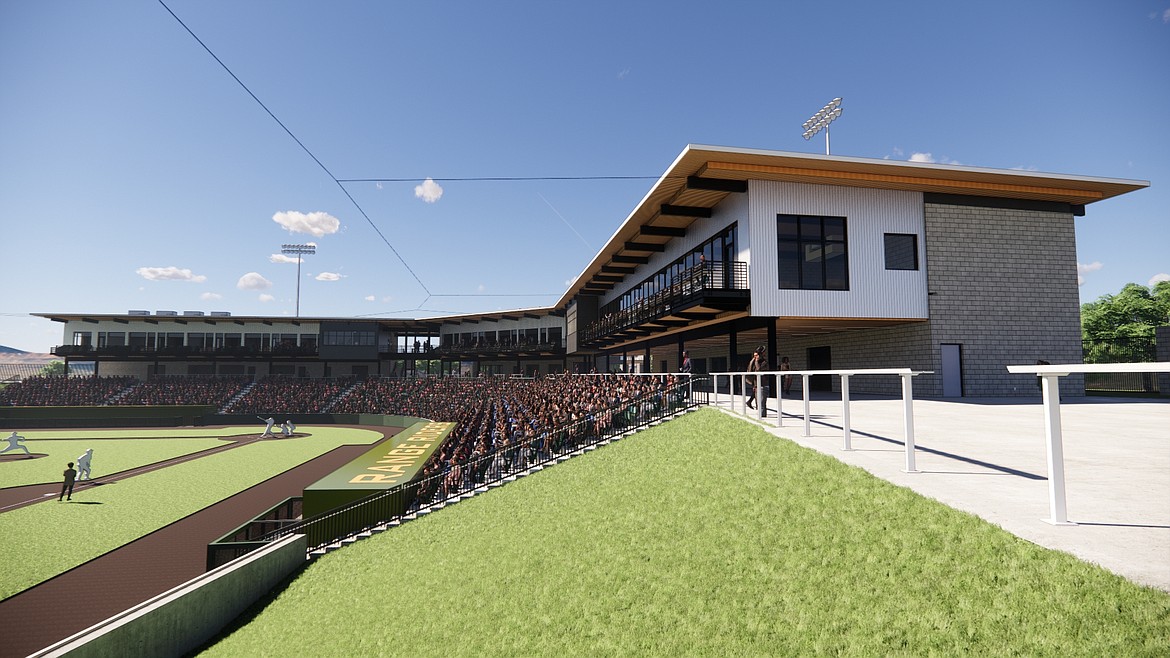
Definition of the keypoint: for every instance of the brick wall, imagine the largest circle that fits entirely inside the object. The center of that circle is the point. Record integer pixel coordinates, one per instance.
(1003, 284)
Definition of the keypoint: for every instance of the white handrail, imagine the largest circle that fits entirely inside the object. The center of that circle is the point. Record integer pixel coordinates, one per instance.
(907, 399)
(1050, 375)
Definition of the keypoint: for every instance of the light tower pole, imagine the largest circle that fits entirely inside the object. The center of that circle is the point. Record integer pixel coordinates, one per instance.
(822, 119)
(298, 250)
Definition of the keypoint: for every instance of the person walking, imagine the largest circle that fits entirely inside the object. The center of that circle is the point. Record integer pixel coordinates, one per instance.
(786, 380)
(67, 486)
(751, 381)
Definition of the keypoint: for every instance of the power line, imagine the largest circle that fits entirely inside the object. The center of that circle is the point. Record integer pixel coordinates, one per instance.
(299, 143)
(494, 179)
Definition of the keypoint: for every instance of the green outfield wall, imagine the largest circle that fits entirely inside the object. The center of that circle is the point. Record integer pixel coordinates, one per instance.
(107, 416)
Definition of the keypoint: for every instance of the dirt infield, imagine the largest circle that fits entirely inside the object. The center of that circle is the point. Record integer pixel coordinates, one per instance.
(146, 567)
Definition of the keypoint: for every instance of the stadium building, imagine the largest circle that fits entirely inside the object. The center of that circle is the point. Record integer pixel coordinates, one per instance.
(835, 262)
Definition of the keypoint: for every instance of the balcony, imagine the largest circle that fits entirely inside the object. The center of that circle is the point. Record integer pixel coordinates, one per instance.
(143, 352)
(702, 293)
(492, 349)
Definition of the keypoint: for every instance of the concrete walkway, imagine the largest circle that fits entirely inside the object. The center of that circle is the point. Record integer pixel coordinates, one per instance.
(987, 457)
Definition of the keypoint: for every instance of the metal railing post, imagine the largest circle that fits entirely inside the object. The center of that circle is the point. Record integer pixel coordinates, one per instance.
(779, 401)
(845, 412)
(804, 390)
(908, 420)
(761, 399)
(1050, 385)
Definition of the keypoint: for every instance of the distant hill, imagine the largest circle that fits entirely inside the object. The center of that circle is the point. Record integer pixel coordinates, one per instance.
(13, 355)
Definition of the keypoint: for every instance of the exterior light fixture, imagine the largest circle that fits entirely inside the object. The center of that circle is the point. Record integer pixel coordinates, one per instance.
(822, 119)
(298, 250)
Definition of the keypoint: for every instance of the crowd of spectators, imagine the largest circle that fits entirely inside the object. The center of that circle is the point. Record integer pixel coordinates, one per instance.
(291, 395)
(61, 391)
(503, 424)
(194, 389)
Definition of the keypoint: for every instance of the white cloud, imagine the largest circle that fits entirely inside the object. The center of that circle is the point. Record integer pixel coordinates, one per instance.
(317, 223)
(265, 297)
(428, 191)
(328, 276)
(370, 298)
(1084, 268)
(480, 288)
(1166, 16)
(169, 274)
(623, 73)
(1161, 276)
(210, 296)
(929, 158)
(253, 281)
(281, 258)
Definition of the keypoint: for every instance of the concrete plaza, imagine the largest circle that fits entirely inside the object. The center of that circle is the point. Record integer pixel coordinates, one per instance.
(988, 457)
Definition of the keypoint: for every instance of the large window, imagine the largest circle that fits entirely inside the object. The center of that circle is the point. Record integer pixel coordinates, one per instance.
(812, 252)
(719, 252)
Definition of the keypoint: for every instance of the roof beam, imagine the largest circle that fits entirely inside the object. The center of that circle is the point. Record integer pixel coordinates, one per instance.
(663, 231)
(607, 278)
(619, 268)
(645, 246)
(684, 211)
(716, 184)
(641, 260)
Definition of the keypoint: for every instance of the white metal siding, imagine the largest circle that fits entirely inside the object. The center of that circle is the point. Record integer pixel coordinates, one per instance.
(874, 291)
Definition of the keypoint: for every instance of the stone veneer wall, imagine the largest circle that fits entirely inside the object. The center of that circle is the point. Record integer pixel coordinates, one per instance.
(1003, 285)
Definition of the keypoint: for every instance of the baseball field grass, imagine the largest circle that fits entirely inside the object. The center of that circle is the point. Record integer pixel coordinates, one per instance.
(49, 538)
(114, 450)
(704, 536)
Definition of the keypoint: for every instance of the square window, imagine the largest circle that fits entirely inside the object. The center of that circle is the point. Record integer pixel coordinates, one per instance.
(901, 251)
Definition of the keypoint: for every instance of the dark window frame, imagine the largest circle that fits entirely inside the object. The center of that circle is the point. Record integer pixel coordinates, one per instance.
(796, 237)
(892, 263)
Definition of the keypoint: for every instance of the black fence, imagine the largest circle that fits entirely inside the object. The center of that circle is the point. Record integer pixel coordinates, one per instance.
(248, 537)
(495, 467)
(1141, 349)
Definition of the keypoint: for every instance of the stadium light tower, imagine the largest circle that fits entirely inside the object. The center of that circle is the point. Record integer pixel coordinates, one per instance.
(298, 250)
(822, 119)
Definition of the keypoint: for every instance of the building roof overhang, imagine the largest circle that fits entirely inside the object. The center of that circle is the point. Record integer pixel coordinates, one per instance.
(393, 324)
(702, 176)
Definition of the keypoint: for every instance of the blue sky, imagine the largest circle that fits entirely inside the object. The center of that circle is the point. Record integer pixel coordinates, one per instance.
(135, 173)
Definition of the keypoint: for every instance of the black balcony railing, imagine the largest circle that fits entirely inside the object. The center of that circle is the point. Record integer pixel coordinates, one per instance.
(492, 348)
(234, 351)
(497, 466)
(699, 282)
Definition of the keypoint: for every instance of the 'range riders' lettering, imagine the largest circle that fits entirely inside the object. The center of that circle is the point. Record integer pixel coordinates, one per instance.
(404, 457)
